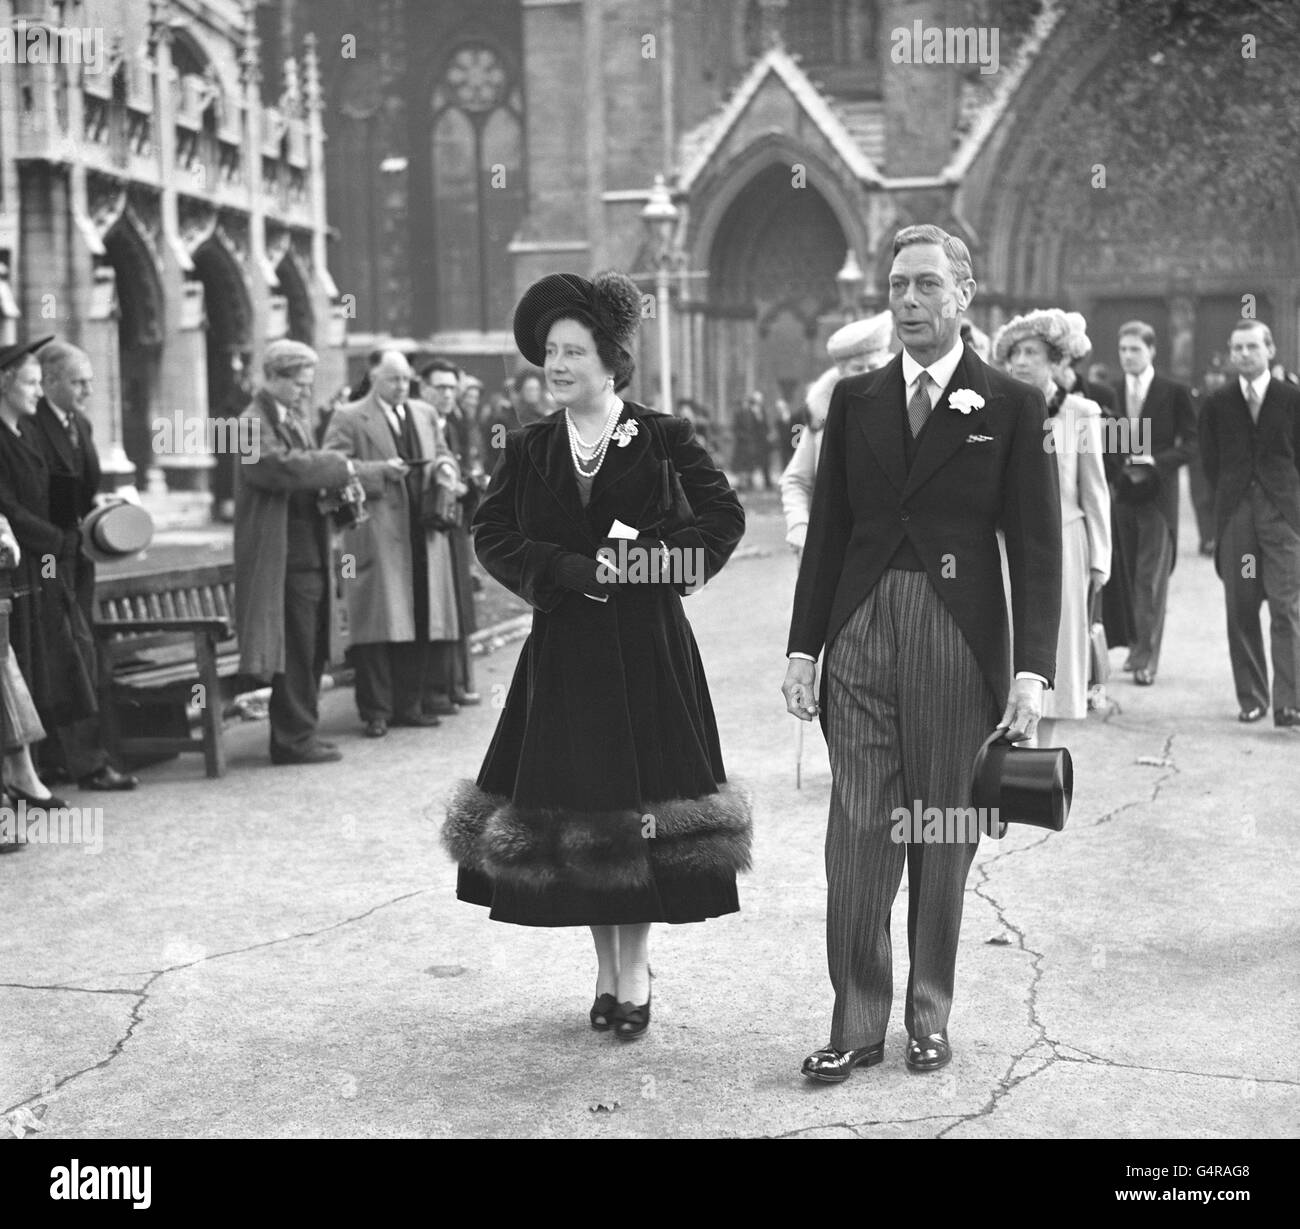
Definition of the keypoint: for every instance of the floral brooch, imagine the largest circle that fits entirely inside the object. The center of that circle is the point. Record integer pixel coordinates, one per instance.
(624, 432)
(965, 400)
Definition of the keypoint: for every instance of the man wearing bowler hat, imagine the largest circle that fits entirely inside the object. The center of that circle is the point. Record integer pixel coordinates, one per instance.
(901, 586)
(64, 434)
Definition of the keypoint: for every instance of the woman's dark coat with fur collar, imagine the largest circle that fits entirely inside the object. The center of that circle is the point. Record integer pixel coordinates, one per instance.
(605, 769)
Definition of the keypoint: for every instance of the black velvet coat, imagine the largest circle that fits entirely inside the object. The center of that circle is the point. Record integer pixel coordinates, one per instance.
(605, 773)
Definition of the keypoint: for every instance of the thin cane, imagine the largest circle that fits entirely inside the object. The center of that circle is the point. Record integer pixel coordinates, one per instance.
(798, 755)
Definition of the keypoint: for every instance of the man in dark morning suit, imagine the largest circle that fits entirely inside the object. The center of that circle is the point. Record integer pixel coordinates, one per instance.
(65, 436)
(1250, 447)
(1162, 433)
(901, 585)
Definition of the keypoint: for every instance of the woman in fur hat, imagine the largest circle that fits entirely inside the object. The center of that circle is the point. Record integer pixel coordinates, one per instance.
(1032, 348)
(861, 345)
(603, 801)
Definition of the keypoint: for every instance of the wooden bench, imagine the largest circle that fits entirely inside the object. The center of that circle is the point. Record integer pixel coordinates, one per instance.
(167, 641)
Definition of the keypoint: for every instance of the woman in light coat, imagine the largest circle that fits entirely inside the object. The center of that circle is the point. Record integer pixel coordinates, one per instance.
(863, 345)
(1030, 347)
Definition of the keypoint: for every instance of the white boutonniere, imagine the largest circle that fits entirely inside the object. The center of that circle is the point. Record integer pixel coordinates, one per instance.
(624, 432)
(965, 400)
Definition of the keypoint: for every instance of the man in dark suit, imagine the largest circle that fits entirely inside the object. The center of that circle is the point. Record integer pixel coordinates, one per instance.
(901, 584)
(1250, 447)
(65, 437)
(1161, 435)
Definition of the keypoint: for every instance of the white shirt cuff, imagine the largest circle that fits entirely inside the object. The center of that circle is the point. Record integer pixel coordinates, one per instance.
(801, 657)
(1029, 674)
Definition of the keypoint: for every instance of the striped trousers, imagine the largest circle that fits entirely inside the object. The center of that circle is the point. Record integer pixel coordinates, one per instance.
(907, 708)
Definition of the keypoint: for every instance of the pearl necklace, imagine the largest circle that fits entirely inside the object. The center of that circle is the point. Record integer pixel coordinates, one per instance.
(592, 454)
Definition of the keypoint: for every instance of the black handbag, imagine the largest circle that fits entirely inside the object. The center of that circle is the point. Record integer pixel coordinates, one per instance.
(1098, 649)
(1138, 484)
(441, 508)
(673, 510)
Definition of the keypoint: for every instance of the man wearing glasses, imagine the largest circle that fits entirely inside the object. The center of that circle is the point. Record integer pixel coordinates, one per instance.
(440, 381)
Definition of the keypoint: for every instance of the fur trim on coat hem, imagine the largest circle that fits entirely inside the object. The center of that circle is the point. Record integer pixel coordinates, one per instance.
(556, 847)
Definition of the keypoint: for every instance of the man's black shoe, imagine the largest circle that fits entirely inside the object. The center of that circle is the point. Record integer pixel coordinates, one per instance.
(419, 720)
(376, 727)
(830, 1066)
(108, 777)
(1251, 714)
(1287, 717)
(440, 706)
(314, 754)
(928, 1053)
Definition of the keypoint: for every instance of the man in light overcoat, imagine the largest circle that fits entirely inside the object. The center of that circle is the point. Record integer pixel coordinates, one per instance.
(397, 568)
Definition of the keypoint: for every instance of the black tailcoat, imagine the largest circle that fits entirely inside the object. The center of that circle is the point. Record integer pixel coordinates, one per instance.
(959, 491)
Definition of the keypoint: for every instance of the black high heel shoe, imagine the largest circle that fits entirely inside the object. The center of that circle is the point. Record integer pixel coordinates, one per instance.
(602, 1012)
(631, 1021)
(52, 803)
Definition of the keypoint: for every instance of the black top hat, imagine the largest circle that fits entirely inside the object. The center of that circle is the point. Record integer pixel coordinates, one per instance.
(9, 355)
(611, 300)
(1026, 785)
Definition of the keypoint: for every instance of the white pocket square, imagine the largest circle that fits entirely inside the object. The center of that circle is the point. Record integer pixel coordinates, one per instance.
(979, 439)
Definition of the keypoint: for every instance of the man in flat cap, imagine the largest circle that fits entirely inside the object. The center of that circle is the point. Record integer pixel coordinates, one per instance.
(861, 345)
(282, 550)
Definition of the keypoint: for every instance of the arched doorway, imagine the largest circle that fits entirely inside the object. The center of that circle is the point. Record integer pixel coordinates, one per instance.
(229, 352)
(772, 270)
(139, 340)
(293, 285)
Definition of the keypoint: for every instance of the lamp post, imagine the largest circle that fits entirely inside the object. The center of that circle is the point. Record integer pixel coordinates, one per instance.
(660, 218)
(850, 280)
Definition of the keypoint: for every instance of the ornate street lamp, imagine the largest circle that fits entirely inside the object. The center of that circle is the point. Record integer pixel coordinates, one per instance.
(850, 280)
(660, 217)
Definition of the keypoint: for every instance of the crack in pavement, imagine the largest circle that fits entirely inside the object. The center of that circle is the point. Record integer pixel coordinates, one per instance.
(853, 1126)
(1006, 1084)
(17, 985)
(1100, 1060)
(142, 994)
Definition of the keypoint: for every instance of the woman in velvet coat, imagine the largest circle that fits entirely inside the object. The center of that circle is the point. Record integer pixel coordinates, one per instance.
(603, 800)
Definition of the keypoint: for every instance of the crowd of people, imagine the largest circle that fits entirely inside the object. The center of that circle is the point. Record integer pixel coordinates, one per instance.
(49, 482)
(1119, 451)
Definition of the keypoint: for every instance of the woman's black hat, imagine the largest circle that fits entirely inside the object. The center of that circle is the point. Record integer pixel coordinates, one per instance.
(611, 300)
(9, 355)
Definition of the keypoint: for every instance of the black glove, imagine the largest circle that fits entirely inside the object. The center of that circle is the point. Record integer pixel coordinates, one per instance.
(640, 561)
(580, 574)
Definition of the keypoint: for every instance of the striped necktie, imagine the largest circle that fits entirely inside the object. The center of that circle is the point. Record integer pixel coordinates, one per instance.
(1253, 403)
(918, 409)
